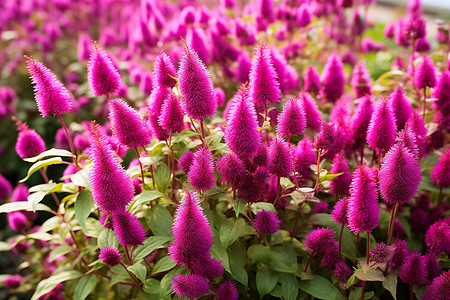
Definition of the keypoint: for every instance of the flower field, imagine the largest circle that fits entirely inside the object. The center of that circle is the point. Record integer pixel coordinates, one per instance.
(260, 149)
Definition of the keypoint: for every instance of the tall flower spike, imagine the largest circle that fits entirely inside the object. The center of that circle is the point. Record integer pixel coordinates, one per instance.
(164, 71)
(127, 125)
(304, 157)
(439, 288)
(241, 132)
(382, 128)
(399, 175)
(361, 80)
(230, 167)
(127, 228)
(319, 240)
(441, 92)
(29, 143)
(400, 106)
(263, 84)
(190, 286)
(266, 222)
(437, 237)
(292, 120)
(172, 115)
(407, 137)
(339, 213)
(197, 92)
(103, 76)
(414, 271)
(5, 188)
(440, 175)
(341, 184)
(326, 138)
(361, 119)
(280, 160)
(415, 122)
(156, 101)
(363, 209)
(425, 75)
(51, 95)
(332, 78)
(227, 291)
(111, 187)
(201, 173)
(312, 112)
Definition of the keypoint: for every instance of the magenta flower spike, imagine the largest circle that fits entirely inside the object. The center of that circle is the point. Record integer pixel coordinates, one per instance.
(110, 256)
(416, 123)
(303, 16)
(190, 286)
(437, 237)
(198, 98)
(128, 229)
(186, 160)
(292, 120)
(230, 167)
(266, 222)
(414, 271)
(399, 175)
(312, 80)
(339, 213)
(201, 173)
(425, 75)
(164, 71)
(401, 251)
(382, 128)
(241, 131)
(380, 253)
(280, 160)
(111, 187)
(17, 221)
(319, 240)
(400, 106)
(332, 78)
(263, 85)
(51, 95)
(251, 186)
(439, 288)
(199, 41)
(127, 125)
(5, 188)
(156, 101)
(361, 119)
(340, 185)
(325, 140)
(103, 76)
(171, 118)
(363, 209)
(441, 93)
(13, 281)
(304, 157)
(361, 80)
(227, 291)
(29, 143)
(312, 112)
(440, 175)
(407, 137)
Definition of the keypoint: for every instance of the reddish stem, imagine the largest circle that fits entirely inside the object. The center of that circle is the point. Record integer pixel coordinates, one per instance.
(391, 223)
(307, 263)
(340, 238)
(69, 138)
(440, 197)
(319, 154)
(140, 165)
(278, 190)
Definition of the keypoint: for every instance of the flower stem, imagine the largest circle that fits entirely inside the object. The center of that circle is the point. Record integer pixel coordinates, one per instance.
(391, 223)
(307, 263)
(293, 231)
(140, 165)
(440, 197)
(69, 138)
(128, 255)
(278, 190)
(340, 238)
(411, 294)
(319, 154)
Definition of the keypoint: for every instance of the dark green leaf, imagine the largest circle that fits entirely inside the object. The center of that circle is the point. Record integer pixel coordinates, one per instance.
(320, 288)
(265, 281)
(280, 261)
(40, 164)
(238, 255)
(83, 206)
(163, 265)
(231, 230)
(165, 288)
(85, 287)
(50, 283)
(150, 244)
(159, 220)
(162, 177)
(238, 206)
(259, 253)
(289, 286)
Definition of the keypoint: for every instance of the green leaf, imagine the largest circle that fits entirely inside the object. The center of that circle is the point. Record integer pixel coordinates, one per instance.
(219, 252)
(107, 238)
(165, 288)
(355, 294)
(259, 206)
(260, 254)
(45, 187)
(238, 206)
(329, 177)
(390, 284)
(320, 288)
(140, 270)
(286, 183)
(144, 197)
(150, 244)
(184, 135)
(151, 286)
(289, 286)
(351, 281)
(44, 236)
(51, 152)
(163, 265)
(59, 251)
(369, 275)
(231, 230)
(238, 255)
(83, 206)
(39, 192)
(85, 286)
(214, 138)
(162, 177)
(4, 246)
(81, 178)
(50, 283)
(265, 281)
(280, 260)
(159, 220)
(40, 164)
(22, 205)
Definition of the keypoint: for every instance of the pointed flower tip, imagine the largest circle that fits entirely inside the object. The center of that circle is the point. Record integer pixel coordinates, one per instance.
(440, 175)
(319, 240)
(292, 120)
(103, 76)
(201, 173)
(382, 128)
(280, 160)
(128, 229)
(266, 222)
(190, 286)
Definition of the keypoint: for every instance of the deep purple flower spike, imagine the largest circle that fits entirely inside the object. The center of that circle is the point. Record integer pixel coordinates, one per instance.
(201, 173)
(197, 91)
(227, 291)
(363, 209)
(29, 143)
(332, 78)
(312, 112)
(127, 228)
(292, 120)
(326, 138)
(382, 128)
(266, 222)
(103, 76)
(416, 123)
(51, 96)
(156, 101)
(280, 160)
(400, 106)
(437, 237)
(230, 167)
(442, 93)
(186, 160)
(339, 213)
(263, 85)
(341, 184)
(127, 125)
(425, 75)
(440, 175)
(414, 271)
(312, 80)
(171, 118)
(110, 256)
(319, 240)
(164, 71)
(190, 286)
(304, 157)
(380, 253)
(303, 16)
(361, 119)
(407, 138)
(439, 288)
(361, 80)
(401, 251)
(17, 221)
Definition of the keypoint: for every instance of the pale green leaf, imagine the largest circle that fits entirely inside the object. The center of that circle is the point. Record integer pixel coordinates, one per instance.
(390, 284)
(259, 206)
(81, 178)
(51, 152)
(162, 177)
(40, 164)
(50, 283)
(184, 135)
(150, 244)
(59, 251)
(85, 286)
(329, 177)
(142, 198)
(107, 238)
(163, 265)
(4, 246)
(22, 205)
(139, 270)
(83, 206)
(159, 220)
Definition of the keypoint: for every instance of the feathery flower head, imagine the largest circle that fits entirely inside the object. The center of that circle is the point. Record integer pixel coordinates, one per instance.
(361, 80)
(292, 120)
(127, 228)
(439, 288)
(5, 188)
(190, 286)
(415, 28)
(414, 271)
(400, 106)
(382, 128)
(20, 193)
(164, 71)
(13, 281)
(425, 75)
(341, 184)
(29, 143)
(80, 142)
(312, 112)
(280, 160)
(320, 208)
(342, 272)
(437, 237)
(331, 256)
(326, 138)
(312, 80)
(210, 268)
(201, 173)
(332, 78)
(401, 251)
(103, 76)
(339, 213)
(433, 266)
(266, 222)
(422, 45)
(110, 256)
(440, 175)
(363, 210)
(319, 240)
(230, 167)
(227, 291)
(407, 138)
(196, 87)
(303, 16)
(156, 102)
(380, 253)
(442, 92)
(199, 42)
(127, 125)
(361, 119)
(17, 221)
(241, 131)
(251, 186)
(304, 157)
(111, 187)
(186, 160)
(263, 85)
(416, 123)
(399, 175)
(172, 115)
(51, 95)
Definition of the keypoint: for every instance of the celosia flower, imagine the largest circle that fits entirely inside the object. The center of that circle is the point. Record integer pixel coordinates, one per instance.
(106, 220)
(263, 84)
(103, 76)
(186, 160)
(399, 175)
(241, 132)
(146, 83)
(110, 256)
(127, 228)
(332, 78)
(127, 125)
(252, 185)
(156, 101)
(414, 271)
(320, 208)
(230, 167)
(361, 119)
(397, 229)
(190, 286)
(432, 265)
(439, 288)
(111, 187)
(51, 96)
(440, 175)
(407, 138)
(382, 128)
(227, 291)
(400, 253)
(220, 95)
(266, 222)
(304, 157)
(5, 188)
(341, 184)
(441, 92)
(312, 112)
(172, 115)
(312, 80)
(380, 253)
(280, 161)
(339, 213)
(13, 281)
(164, 71)
(437, 237)
(422, 45)
(325, 140)
(415, 122)
(80, 142)
(210, 268)
(303, 16)
(17, 221)
(319, 240)
(331, 256)
(425, 75)
(196, 87)
(342, 272)
(198, 41)
(361, 80)
(292, 120)
(29, 143)
(363, 209)
(61, 140)
(201, 173)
